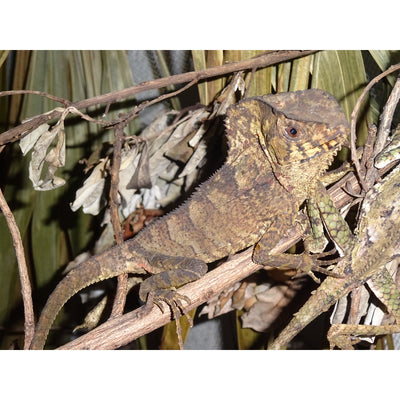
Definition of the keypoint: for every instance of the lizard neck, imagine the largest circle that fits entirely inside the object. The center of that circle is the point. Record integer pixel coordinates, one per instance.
(300, 179)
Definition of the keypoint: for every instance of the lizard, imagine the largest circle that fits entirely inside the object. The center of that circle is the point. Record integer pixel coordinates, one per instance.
(278, 147)
(375, 242)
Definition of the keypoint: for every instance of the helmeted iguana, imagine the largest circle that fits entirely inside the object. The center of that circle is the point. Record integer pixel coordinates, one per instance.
(279, 146)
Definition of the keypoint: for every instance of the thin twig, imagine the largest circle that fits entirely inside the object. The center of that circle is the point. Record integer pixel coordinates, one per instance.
(120, 297)
(261, 61)
(74, 110)
(256, 62)
(139, 108)
(367, 158)
(29, 325)
(353, 121)
(37, 93)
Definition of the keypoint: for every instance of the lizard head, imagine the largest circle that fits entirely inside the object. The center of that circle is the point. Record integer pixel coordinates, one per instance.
(299, 133)
(306, 132)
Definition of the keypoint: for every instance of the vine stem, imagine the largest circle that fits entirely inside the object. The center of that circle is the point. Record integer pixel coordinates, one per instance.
(37, 93)
(29, 325)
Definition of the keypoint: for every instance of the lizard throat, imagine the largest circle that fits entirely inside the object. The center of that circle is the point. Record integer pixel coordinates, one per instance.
(300, 179)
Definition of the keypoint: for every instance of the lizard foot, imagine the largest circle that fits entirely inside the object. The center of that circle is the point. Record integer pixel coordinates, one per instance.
(315, 263)
(174, 301)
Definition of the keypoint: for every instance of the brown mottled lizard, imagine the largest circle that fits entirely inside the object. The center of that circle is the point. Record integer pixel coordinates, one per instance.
(279, 146)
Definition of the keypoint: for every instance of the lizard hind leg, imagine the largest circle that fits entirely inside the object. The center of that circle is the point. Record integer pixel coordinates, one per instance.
(170, 273)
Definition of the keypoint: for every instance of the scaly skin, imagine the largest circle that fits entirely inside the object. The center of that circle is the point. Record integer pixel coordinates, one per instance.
(375, 245)
(279, 145)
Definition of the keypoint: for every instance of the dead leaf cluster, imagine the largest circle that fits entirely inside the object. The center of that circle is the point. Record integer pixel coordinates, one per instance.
(46, 157)
(262, 303)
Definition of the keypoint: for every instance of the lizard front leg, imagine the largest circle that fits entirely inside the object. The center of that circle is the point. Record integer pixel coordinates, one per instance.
(264, 254)
(321, 207)
(337, 227)
(314, 241)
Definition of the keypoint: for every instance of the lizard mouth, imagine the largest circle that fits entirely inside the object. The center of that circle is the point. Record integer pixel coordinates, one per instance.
(327, 146)
(327, 149)
(324, 150)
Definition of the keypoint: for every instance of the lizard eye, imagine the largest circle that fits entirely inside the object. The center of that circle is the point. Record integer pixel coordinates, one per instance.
(291, 131)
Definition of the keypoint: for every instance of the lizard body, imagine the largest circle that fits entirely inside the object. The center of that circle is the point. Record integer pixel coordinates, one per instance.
(376, 243)
(279, 145)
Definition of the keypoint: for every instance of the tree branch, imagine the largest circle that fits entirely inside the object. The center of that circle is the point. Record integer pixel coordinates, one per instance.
(122, 330)
(260, 61)
(386, 119)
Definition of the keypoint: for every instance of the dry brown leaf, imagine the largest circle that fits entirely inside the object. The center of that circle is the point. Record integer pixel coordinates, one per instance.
(220, 304)
(93, 317)
(28, 141)
(269, 305)
(263, 303)
(89, 196)
(141, 177)
(138, 220)
(45, 160)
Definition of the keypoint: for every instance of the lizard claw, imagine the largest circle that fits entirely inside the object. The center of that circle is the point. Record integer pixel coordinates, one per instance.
(329, 264)
(174, 301)
(312, 263)
(313, 277)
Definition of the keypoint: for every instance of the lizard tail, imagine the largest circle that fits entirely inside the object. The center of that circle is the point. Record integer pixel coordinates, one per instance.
(96, 269)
